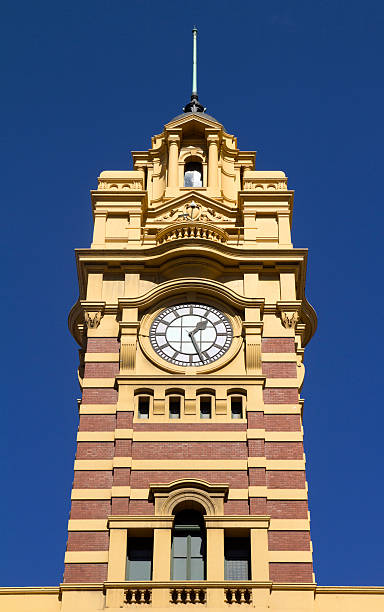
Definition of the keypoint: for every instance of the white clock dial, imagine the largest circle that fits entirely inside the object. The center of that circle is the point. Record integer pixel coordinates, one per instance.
(191, 334)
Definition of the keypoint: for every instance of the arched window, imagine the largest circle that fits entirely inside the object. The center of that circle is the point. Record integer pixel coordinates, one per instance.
(188, 546)
(193, 174)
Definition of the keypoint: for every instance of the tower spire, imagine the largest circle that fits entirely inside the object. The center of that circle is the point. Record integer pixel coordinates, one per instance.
(194, 105)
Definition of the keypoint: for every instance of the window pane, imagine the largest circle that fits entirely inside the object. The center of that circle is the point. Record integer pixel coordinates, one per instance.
(237, 407)
(237, 559)
(193, 175)
(143, 407)
(179, 569)
(197, 569)
(205, 407)
(196, 546)
(139, 559)
(180, 545)
(174, 407)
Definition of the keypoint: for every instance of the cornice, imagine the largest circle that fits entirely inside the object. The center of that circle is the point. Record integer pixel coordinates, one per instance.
(186, 285)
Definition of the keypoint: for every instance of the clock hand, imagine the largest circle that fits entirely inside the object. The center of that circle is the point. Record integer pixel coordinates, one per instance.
(199, 327)
(193, 339)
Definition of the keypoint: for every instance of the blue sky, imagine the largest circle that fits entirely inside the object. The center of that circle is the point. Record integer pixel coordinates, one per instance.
(84, 84)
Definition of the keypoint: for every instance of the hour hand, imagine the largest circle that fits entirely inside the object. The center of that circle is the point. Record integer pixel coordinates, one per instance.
(196, 346)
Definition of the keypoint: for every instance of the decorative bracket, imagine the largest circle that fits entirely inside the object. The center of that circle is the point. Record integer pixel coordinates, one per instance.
(289, 313)
(93, 312)
(253, 331)
(128, 342)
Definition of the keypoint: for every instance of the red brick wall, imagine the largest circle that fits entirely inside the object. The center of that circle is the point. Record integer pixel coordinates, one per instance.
(282, 422)
(279, 369)
(120, 506)
(103, 345)
(92, 479)
(101, 369)
(95, 450)
(282, 508)
(97, 422)
(279, 395)
(124, 420)
(258, 505)
(141, 479)
(256, 448)
(121, 477)
(284, 450)
(85, 572)
(255, 420)
(88, 540)
(189, 450)
(278, 345)
(236, 506)
(123, 448)
(257, 477)
(291, 572)
(286, 479)
(102, 395)
(289, 540)
(90, 508)
(141, 506)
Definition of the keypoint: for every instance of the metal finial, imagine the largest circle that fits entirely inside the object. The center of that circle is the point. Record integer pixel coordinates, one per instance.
(194, 105)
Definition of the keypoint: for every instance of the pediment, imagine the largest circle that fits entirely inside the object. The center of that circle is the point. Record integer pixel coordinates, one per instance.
(193, 206)
(193, 118)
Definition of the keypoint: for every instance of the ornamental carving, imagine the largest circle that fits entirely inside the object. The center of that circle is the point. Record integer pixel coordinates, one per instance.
(289, 319)
(193, 211)
(126, 185)
(263, 185)
(92, 319)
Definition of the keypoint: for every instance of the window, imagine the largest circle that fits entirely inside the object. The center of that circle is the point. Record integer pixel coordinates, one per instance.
(237, 564)
(205, 406)
(139, 559)
(174, 406)
(143, 407)
(193, 174)
(236, 407)
(188, 546)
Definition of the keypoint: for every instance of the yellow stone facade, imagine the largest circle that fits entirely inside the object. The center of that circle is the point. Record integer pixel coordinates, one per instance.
(226, 244)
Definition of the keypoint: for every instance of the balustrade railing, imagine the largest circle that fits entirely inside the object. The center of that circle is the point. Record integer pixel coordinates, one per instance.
(188, 595)
(138, 596)
(191, 229)
(238, 596)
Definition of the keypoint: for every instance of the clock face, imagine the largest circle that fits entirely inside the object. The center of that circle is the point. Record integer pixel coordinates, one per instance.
(191, 334)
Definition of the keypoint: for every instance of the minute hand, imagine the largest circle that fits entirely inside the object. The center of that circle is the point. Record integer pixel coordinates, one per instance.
(193, 339)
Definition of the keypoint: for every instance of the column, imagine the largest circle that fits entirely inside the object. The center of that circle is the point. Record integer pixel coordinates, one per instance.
(259, 555)
(161, 565)
(173, 161)
(215, 565)
(99, 228)
(284, 228)
(117, 560)
(213, 160)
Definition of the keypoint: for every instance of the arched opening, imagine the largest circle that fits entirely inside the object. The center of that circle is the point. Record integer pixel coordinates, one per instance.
(193, 174)
(188, 546)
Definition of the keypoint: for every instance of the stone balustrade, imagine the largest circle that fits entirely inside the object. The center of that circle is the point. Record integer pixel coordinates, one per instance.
(191, 229)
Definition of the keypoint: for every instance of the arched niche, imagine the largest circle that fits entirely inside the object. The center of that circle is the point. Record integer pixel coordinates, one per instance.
(189, 493)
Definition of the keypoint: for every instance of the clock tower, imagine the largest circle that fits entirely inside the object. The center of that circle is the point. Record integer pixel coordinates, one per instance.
(192, 321)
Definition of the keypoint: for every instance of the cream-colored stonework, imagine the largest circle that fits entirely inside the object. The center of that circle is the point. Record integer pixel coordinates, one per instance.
(226, 244)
